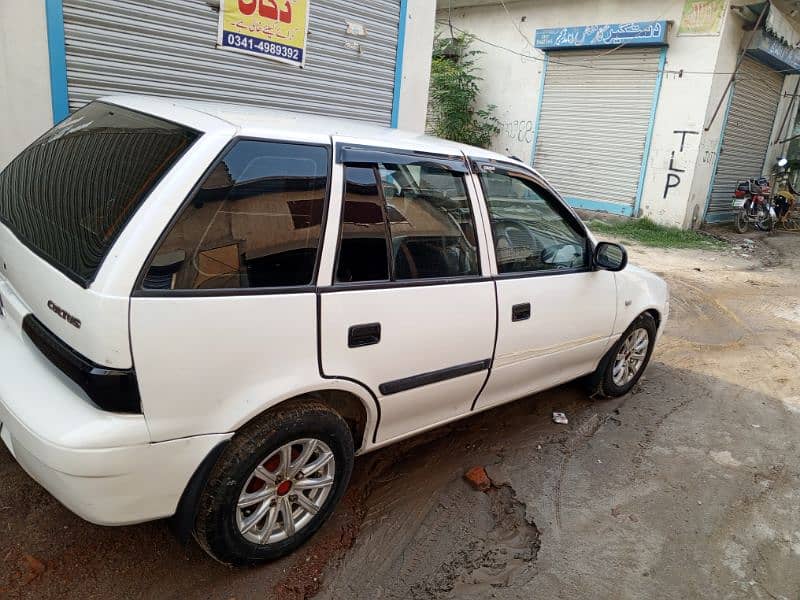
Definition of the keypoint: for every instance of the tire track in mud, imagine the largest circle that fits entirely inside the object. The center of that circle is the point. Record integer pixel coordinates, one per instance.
(646, 443)
(303, 579)
(451, 542)
(699, 317)
(738, 521)
(585, 431)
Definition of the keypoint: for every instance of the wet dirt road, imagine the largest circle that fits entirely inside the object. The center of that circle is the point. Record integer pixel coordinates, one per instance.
(687, 487)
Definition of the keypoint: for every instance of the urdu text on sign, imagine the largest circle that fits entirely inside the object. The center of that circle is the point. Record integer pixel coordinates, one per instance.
(271, 28)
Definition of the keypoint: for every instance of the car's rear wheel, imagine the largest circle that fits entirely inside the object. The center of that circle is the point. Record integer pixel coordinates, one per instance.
(275, 485)
(624, 364)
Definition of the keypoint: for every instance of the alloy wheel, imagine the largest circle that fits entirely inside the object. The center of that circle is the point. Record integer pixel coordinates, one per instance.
(285, 491)
(630, 357)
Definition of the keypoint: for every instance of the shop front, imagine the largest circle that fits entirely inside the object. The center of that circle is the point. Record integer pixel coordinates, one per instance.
(597, 107)
(756, 128)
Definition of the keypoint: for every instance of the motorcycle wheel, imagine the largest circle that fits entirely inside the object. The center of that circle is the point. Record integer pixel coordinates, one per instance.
(764, 221)
(742, 220)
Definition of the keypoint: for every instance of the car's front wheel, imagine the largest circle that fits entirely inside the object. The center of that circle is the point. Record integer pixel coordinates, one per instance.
(275, 485)
(624, 364)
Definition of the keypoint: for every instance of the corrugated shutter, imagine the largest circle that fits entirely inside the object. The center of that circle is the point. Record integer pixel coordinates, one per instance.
(747, 133)
(167, 48)
(594, 120)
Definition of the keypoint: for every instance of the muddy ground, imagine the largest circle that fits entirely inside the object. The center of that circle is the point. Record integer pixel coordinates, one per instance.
(688, 487)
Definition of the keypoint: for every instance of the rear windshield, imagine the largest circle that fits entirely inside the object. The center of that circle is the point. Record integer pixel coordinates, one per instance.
(70, 193)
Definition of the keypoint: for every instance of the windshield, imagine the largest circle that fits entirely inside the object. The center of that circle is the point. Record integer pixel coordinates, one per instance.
(69, 194)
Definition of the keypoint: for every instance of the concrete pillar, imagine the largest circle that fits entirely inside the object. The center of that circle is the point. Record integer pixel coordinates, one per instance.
(25, 106)
(416, 74)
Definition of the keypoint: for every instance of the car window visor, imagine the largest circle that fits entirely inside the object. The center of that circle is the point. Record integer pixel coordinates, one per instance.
(354, 155)
(493, 166)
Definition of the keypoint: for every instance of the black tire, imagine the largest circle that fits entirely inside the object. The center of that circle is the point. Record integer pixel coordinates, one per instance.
(216, 528)
(602, 381)
(741, 221)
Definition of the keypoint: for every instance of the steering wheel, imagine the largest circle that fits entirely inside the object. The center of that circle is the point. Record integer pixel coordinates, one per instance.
(503, 230)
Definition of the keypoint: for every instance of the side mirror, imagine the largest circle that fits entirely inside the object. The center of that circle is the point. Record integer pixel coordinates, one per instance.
(611, 257)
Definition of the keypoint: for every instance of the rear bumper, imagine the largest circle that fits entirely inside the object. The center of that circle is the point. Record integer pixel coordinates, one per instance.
(112, 486)
(100, 465)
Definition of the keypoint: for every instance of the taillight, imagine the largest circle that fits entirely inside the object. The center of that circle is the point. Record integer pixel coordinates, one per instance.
(114, 390)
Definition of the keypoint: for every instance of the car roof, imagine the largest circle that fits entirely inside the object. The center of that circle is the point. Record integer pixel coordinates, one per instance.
(253, 120)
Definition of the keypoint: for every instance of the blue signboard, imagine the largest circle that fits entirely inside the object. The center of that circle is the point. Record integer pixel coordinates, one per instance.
(641, 33)
(773, 52)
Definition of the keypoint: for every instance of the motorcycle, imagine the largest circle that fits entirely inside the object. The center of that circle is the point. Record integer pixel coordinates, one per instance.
(753, 202)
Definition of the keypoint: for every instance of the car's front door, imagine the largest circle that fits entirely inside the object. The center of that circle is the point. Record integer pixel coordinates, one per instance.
(555, 314)
(409, 313)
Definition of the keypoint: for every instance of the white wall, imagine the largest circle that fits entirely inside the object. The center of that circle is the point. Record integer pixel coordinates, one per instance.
(416, 64)
(25, 109)
(682, 106)
(512, 78)
(720, 94)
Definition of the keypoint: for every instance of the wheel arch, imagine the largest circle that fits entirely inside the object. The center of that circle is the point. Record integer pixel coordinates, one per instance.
(654, 313)
(348, 405)
(353, 401)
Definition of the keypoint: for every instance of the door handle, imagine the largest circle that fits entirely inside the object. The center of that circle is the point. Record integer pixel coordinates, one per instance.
(366, 334)
(521, 312)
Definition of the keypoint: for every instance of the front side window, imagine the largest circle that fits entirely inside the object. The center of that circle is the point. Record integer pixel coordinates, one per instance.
(405, 222)
(70, 193)
(530, 233)
(255, 222)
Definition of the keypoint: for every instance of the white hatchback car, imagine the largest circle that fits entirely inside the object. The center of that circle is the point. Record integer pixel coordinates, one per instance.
(209, 310)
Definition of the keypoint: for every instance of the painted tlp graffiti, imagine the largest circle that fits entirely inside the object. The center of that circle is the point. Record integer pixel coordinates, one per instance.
(673, 177)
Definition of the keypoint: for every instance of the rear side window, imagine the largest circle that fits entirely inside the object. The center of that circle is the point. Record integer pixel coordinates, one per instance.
(364, 244)
(405, 222)
(255, 222)
(69, 194)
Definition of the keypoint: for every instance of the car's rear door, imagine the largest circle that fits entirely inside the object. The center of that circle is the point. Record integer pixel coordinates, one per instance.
(410, 310)
(224, 317)
(555, 314)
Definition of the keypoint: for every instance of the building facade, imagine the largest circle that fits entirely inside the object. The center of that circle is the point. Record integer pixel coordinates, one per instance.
(642, 107)
(370, 61)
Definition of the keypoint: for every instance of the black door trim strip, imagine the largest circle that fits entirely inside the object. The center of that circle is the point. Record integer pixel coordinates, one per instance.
(415, 381)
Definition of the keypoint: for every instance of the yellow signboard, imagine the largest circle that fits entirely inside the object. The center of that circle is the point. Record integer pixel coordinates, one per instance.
(272, 28)
(702, 17)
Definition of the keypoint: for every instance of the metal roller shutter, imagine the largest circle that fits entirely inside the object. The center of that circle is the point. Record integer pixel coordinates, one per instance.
(167, 48)
(594, 120)
(747, 133)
